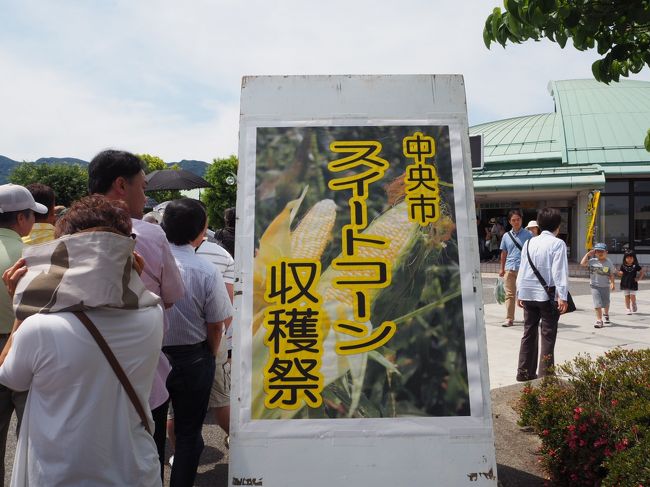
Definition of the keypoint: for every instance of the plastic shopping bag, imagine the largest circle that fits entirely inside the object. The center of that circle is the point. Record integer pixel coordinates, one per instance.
(500, 291)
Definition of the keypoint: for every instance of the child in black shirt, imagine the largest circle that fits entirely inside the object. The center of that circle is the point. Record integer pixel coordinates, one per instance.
(631, 273)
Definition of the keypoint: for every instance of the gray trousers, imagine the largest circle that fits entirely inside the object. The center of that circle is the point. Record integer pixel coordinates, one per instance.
(536, 313)
(10, 401)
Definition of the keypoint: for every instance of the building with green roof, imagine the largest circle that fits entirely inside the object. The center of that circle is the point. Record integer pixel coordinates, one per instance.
(593, 141)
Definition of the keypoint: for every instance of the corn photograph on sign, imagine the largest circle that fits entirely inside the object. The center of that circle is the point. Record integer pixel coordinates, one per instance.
(356, 280)
(360, 325)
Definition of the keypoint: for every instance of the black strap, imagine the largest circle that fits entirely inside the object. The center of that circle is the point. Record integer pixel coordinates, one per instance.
(514, 241)
(115, 365)
(542, 281)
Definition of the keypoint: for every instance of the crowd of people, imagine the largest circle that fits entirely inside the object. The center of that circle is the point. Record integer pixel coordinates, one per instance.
(154, 296)
(118, 328)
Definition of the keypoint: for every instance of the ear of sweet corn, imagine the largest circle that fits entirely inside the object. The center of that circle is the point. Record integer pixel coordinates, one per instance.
(313, 233)
(274, 244)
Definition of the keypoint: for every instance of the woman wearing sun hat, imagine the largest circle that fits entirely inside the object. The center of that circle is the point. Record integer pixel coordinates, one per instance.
(533, 228)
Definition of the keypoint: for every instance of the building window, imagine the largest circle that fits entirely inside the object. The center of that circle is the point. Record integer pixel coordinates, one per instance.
(625, 215)
(642, 223)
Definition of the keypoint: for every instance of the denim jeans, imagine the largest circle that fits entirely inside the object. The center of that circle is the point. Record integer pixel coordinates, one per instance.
(189, 384)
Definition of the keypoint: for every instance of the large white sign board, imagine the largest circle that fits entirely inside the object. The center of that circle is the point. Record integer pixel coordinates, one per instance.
(360, 351)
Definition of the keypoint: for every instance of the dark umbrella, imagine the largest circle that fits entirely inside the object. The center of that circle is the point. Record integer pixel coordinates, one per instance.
(174, 179)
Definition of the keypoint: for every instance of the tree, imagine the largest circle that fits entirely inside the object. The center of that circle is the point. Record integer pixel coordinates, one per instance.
(155, 163)
(69, 181)
(618, 29)
(222, 175)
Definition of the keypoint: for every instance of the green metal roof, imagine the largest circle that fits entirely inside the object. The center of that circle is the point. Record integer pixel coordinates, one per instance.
(603, 124)
(534, 137)
(540, 178)
(596, 130)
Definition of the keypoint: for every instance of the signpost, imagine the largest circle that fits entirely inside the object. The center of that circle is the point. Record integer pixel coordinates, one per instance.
(360, 342)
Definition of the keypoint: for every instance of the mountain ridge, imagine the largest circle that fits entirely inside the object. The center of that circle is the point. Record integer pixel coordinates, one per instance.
(7, 165)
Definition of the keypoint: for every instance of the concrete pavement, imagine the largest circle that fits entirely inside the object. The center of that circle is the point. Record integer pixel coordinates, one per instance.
(576, 332)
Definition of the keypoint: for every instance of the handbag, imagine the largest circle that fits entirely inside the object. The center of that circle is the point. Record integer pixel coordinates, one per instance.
(550, 290)
(115, 365)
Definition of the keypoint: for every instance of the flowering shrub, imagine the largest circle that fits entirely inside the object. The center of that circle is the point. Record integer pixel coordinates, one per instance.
(593, 418)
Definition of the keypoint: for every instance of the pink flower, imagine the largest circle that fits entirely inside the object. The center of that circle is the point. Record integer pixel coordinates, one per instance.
(600, 442)
(614, 402)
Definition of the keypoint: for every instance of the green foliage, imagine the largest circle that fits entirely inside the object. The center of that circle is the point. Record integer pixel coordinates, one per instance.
(155, 163)
(69, 182)
(593, 419)
(618, 29)
(221, 195)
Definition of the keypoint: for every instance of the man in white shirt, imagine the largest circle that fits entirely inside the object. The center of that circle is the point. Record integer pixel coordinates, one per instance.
(549, 257)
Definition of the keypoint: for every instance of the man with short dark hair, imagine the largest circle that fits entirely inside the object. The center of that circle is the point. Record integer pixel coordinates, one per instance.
(119, 175)
(548, 255)
(511, 244)
(43, 229)
(17, 208)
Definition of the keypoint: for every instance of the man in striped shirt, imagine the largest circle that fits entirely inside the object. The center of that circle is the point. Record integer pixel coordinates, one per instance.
(220, 394)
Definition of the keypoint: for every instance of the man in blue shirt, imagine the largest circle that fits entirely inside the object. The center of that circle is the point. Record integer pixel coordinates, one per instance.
(511, 245)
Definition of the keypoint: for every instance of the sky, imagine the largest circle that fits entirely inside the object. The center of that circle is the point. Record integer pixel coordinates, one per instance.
(163, 77)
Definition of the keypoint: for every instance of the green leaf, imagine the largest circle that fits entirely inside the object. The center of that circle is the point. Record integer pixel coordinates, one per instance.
(595, 70)
(513, 25)
(502, 35)
(512, 8)
(579, 39)
(564, 11)
(573, 19)
(496, 21)
(487, 32)
(380, 359)
(603, 45)
(538, 18)
(561, 37)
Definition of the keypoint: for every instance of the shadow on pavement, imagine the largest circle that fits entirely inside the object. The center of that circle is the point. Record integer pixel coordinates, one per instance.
(511, 477)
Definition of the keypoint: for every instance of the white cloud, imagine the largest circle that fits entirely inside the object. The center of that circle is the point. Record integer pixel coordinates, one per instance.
(163, 76)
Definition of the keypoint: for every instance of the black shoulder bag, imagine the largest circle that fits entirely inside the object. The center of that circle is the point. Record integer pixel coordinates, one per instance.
(514, 241)
(550, 290)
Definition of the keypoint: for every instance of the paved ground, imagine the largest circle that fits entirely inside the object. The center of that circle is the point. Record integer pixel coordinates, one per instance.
(515, 449)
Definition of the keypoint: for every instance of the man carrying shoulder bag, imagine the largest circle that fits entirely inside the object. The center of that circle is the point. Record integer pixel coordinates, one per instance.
(543, 267)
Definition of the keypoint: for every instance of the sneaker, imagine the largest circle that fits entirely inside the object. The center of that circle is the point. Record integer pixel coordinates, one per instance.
(598, 324)
(606, 319)
(507, 323)
(634, 307)
(628, 311)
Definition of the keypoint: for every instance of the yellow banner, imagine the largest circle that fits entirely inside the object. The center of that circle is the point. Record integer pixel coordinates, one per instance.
(592, 211)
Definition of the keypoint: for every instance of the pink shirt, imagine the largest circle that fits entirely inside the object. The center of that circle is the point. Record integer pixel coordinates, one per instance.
(160, 276)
